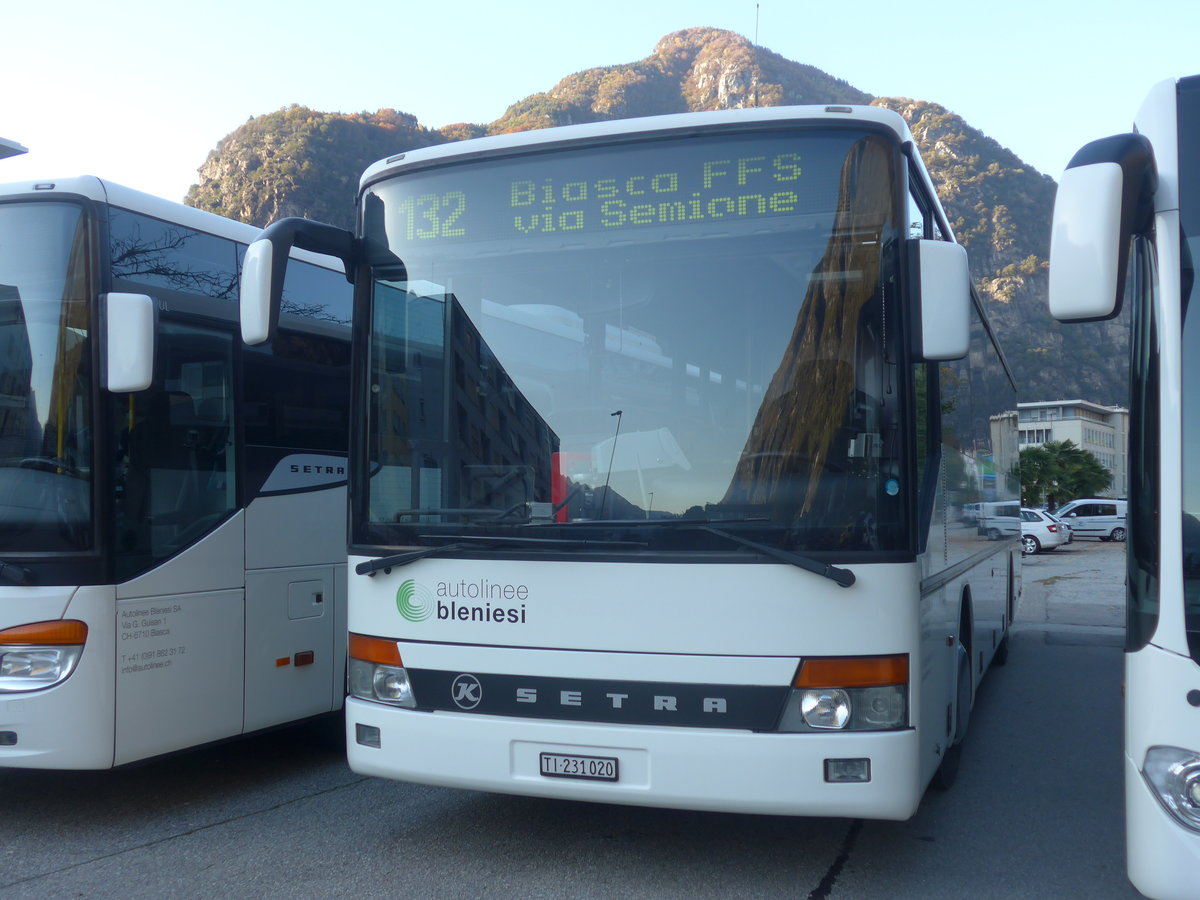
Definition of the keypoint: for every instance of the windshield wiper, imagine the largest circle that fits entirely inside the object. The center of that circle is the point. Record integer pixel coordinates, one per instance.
(843, 577)
(371, 566)
(548, 542)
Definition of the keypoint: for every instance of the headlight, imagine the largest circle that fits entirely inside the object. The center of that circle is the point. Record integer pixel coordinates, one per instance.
(1174, 775)
(848, 694)
(39, 655)
(383, 684)
(846, 709)
(376, 672)
(829, 708)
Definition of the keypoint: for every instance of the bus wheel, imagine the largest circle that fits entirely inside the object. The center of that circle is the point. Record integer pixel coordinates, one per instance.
(947, 771)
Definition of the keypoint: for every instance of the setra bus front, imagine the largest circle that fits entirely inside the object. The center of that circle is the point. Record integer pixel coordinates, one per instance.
(635, 488)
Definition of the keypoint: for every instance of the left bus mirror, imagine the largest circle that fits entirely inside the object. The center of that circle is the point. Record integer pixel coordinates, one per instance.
(1105, 197)
(255, 303)
(128, 342)
(265, 266)
(942, 324)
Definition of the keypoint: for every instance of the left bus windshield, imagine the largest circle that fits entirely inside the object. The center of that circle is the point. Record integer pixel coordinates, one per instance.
(604, 342)
(45, 379)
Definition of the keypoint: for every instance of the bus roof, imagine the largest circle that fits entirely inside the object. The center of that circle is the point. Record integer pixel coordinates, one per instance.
(102, 191)
(548, 137)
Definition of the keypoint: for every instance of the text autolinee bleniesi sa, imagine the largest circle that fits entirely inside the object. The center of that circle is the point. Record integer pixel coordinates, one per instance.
(731, 188)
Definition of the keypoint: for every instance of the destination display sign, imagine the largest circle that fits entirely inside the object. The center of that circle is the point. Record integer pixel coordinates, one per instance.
(620, 188)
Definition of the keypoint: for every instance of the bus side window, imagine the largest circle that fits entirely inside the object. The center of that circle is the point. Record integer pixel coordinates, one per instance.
(175, 453)
(149, 252)
(915, 217)
(922, 223)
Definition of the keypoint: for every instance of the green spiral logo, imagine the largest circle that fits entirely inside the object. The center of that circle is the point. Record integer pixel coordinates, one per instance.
(414, 601)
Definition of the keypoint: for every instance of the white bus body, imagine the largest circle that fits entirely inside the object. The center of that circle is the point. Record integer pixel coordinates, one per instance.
(1127, 227)
(172, 507)
(658, 467)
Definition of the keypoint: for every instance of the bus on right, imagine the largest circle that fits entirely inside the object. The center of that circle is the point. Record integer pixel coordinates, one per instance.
(1127, 230)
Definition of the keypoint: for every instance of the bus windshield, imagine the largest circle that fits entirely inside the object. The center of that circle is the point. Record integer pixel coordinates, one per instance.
(654, 344)
(45, 379)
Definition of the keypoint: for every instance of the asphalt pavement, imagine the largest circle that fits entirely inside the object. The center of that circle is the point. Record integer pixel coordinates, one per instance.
(1036, 812)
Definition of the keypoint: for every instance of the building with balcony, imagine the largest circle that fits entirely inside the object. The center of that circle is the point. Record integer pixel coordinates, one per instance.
(1101, 430)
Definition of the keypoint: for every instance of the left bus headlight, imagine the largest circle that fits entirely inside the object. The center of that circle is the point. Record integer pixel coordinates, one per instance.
(40, 655)
(1174, 776)
(848, 694)
(376, 672)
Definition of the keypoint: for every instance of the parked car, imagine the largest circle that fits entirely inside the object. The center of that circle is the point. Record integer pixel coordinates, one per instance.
(1063, 526)
(1097, 517)
(1039, 531)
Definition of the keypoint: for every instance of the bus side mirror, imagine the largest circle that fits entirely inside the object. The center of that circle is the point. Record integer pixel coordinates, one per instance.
(942, 319)
(129, 330)
(1106, 196)
(260, 291)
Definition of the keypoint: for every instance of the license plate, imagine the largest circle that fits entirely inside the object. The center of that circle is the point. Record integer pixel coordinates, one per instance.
(572, 765)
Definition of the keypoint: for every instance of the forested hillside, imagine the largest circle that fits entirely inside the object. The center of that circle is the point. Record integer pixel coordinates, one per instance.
(301, 162)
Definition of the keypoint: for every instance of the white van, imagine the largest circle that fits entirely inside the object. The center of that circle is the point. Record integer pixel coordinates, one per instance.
(1098, 517)
(999, 520)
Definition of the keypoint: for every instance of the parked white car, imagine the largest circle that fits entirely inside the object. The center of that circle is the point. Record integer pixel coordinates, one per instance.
(1095, 517)
(1062, 526)
(1039, 531)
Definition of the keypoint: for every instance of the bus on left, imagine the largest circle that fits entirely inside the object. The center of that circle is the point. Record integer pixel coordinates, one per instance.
(172, 505)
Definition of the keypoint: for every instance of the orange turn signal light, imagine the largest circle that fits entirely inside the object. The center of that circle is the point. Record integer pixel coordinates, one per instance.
(59, 632)
(852, 671)
(374, 650)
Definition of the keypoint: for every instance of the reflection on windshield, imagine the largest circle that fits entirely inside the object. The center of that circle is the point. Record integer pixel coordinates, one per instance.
(800, 443)
(45, 392)
(647, 365)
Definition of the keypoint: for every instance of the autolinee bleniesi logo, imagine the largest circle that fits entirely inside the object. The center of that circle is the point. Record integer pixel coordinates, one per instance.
(414, 601)
(463, 601)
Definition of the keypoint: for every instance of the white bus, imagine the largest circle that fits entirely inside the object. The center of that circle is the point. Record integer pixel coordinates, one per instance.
(1127, 227)
(172, 507)
(658, 465)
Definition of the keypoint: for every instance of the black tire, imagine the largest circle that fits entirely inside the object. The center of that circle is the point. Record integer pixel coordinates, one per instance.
(1030, 545)
(1118, 534)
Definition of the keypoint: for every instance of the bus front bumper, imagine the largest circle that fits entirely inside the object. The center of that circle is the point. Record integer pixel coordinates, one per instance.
(682, 768)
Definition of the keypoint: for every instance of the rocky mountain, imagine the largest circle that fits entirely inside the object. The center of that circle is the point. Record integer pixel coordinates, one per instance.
(300, 162)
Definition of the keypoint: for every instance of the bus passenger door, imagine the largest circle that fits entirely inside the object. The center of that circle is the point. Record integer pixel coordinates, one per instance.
(178, 550)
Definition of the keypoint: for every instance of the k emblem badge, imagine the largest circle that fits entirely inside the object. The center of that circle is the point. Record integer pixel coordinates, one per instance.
(466, 691)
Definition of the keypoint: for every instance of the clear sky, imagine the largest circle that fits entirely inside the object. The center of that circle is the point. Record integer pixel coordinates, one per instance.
(140, 91)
